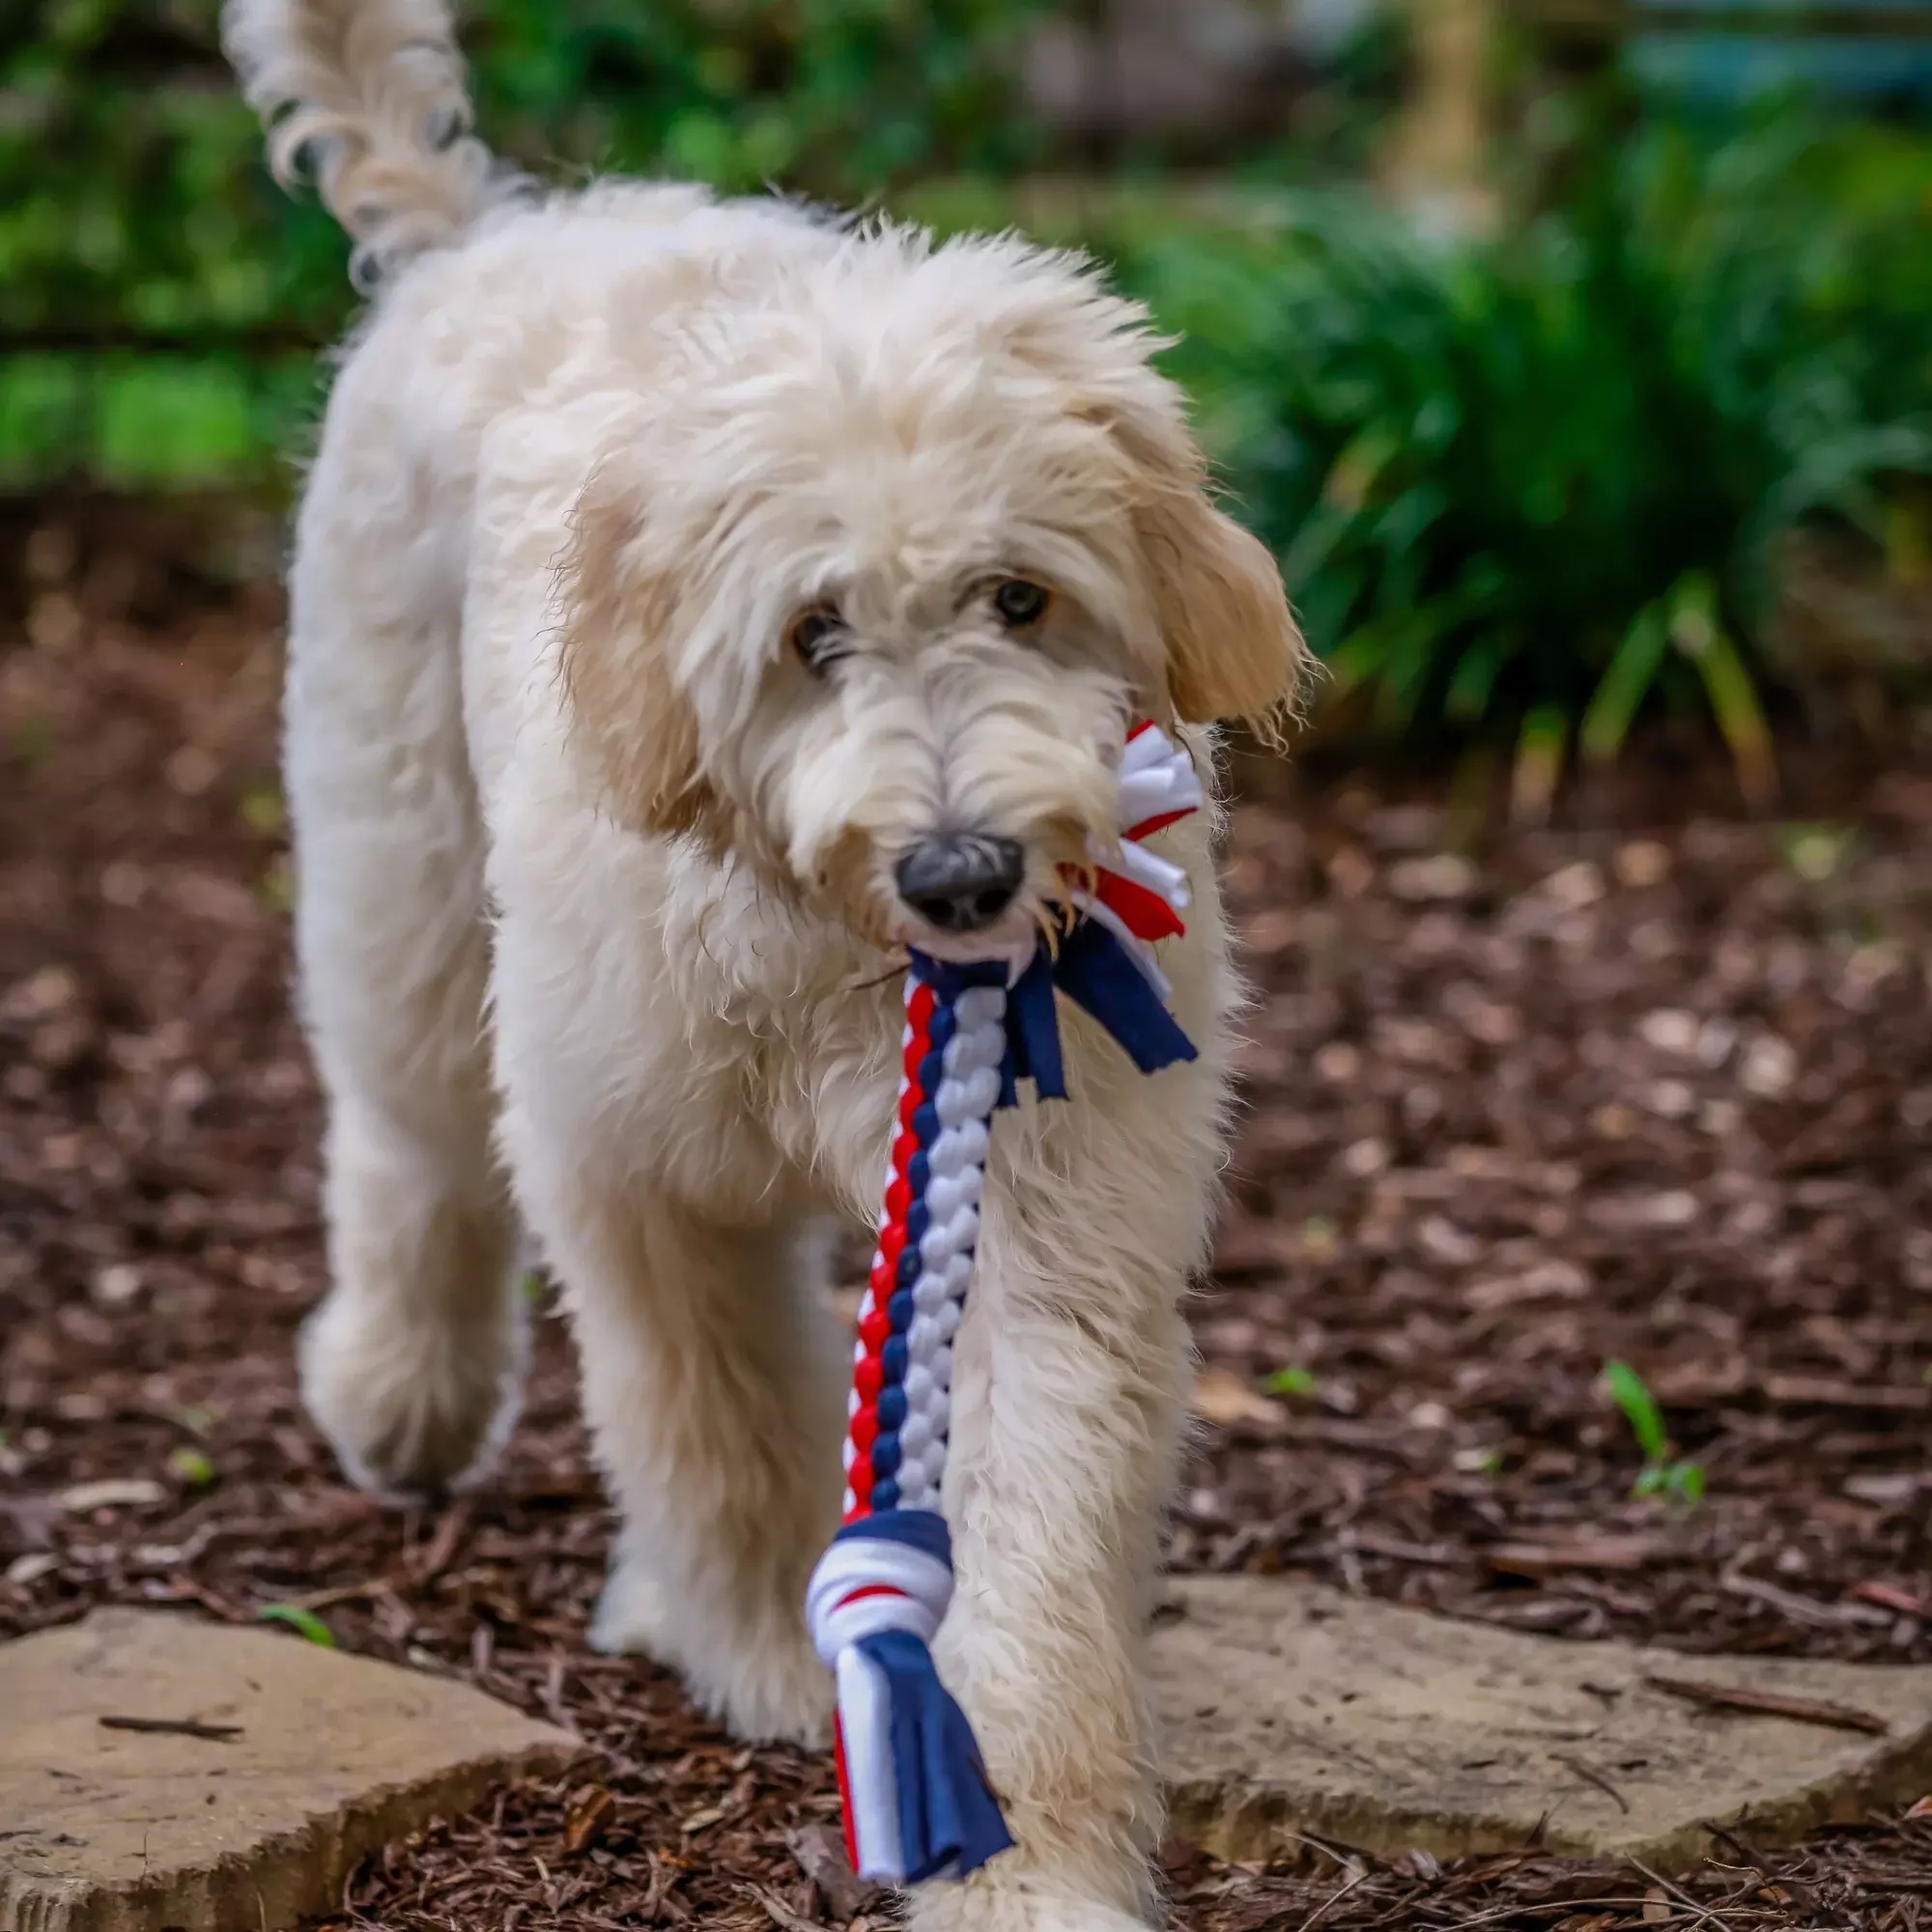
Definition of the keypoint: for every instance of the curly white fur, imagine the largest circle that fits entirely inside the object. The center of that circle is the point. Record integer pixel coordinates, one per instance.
(370, 95)
(597, 916)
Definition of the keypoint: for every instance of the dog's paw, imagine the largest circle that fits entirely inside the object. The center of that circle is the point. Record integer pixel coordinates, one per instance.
(990, 1904)
(633, 1617)
(764, 1683)
(411, 1410)
(782, 1694)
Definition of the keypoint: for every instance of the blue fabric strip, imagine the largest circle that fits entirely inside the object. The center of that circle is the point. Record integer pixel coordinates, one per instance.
(1093, 969)
(919, 1530)
(948, 1819)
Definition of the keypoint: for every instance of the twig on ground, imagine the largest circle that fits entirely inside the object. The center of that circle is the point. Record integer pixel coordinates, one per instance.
(1771, 1704)
(367, 1589)
(1334, 1898)
(442, 1546)
(174, 1727)
(1705, 1914)
(1590, 1775)
(1802, 1609)
(779, 1912)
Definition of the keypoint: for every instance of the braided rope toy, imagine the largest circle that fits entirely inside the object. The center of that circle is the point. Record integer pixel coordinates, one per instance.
(917, 1799)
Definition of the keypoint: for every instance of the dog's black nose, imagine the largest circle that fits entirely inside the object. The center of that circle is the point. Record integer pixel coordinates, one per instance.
(961, 882)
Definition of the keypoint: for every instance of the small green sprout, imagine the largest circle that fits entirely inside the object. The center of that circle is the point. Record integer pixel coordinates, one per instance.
(304, 1623)
(1291, 1381)
(1661, 1475)
(192, 1467)
(263, 811)
(33, 742)
(1817, 852)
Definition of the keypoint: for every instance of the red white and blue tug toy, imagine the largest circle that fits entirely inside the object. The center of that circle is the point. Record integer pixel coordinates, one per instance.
(918, 1805)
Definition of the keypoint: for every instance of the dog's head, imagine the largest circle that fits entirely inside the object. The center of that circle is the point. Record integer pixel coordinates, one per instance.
(874, 600)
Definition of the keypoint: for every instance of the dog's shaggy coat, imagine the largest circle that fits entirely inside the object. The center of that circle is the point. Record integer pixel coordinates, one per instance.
(598, 925)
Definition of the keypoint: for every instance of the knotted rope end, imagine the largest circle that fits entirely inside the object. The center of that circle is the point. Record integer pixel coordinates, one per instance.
(918, 1803)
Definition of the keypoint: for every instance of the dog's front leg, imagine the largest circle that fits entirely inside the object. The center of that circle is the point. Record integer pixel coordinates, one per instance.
(713, 1382)
(1070, 1386)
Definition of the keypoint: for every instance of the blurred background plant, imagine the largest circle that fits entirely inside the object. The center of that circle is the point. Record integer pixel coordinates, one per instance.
(1549, 349)
(1530, 478)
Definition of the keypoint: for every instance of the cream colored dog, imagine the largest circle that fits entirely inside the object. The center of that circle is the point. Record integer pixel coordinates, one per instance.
(694, 603)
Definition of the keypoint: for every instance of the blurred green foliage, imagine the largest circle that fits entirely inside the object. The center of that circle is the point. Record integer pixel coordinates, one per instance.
(159, 302)
(1525, 481)
(1532, 478)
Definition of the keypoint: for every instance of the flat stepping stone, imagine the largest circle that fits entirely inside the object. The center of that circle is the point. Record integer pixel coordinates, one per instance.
(157, 1772)
(1291, 1708)
(244, 1774)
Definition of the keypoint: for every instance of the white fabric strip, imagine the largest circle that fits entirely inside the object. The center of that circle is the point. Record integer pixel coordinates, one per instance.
(866, 1726)
(921, 1589)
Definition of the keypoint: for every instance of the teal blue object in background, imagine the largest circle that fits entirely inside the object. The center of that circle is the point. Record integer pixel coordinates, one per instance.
(1704, 57)
(1727, 69)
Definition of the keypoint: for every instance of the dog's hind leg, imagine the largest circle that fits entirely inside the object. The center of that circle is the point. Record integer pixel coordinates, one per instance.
(411, 1365)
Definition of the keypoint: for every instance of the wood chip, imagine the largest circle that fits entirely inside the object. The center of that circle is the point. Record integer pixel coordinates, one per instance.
(111, 1493)
(1890, 1597)
(1802, 1610)
(1252, 1246)
(1222, 1397)
(1769, 1704)
(442, 1545)
(1821, 1392)
(1433, 1556)
(819, 1851)
(1600, 1552)
(589, 1812)
(779, 1912)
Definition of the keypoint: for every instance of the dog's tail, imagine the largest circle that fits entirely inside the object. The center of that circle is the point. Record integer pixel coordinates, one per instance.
(369, 95)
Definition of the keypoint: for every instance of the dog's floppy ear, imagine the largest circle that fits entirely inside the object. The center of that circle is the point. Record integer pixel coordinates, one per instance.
(618, 601)
(1234, 649)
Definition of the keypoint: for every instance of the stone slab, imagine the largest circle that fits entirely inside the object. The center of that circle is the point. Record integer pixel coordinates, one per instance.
(1289, 1708)
(110, 1829)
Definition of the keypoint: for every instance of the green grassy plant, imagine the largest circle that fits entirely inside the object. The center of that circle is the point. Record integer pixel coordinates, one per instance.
(1662, 1474)
(1532, 483)
(304, 1622)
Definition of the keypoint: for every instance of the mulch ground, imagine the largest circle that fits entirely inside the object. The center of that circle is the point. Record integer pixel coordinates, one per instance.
(1654, 1085)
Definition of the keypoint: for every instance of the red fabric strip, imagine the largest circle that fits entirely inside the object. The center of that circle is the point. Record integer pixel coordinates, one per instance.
(1148, 826)
(845, 1791)
(1144, 913)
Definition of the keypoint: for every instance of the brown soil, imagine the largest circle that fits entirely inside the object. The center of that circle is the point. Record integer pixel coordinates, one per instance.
(1654, 1087)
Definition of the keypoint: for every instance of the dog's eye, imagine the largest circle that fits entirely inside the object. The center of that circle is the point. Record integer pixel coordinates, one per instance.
(1020, 603)
(815, 634)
